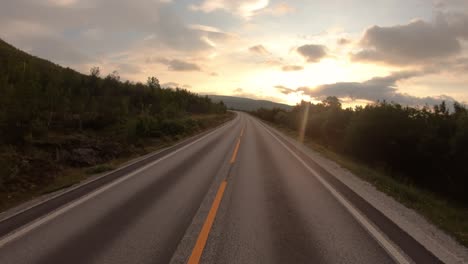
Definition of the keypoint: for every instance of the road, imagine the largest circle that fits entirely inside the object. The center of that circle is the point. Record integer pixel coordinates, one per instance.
(238, 194)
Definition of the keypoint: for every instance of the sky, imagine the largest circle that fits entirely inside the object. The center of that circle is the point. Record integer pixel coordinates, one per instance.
(413, 52)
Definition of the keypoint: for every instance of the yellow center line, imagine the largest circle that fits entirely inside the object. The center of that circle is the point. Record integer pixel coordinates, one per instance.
(204, 233)
(234, 154)
(203, 236)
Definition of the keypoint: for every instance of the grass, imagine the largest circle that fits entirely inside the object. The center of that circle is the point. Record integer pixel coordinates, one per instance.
(446, 214)
(71, 176)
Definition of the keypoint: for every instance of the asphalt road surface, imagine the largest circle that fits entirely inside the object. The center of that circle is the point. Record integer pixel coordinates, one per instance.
(238, 194)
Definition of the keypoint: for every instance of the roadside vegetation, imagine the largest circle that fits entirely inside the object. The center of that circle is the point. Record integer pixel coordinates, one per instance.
(57, 126)
(416, 155)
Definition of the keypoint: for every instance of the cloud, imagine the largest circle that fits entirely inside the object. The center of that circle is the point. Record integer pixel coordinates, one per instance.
(210, 34)
(112, 15)
(118, 24)
(214, 74)
(456, 23)
(238, 90)
(256, 96)
(313, 53)
(205, 28)
(269, 59)
(127, 68)
(243, 8)
(418, 42)
(265, 57)
(343, 41)
(375, 89)
(178, 65)
(284, 90)
(173, 85)
(171, 33)
(450, 5)
(279, 9)
(459, 65)
(66, 3)
(53, 48)
(288, 68)
(42, 41)
(260, 49)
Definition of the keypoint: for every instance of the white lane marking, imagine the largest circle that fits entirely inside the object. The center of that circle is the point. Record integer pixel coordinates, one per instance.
(368, 226)
(42, 220)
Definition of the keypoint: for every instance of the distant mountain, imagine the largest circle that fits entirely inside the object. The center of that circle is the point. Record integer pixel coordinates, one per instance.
(247, 104)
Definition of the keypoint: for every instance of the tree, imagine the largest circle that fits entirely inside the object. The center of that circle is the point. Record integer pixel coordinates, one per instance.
(332, 102)
(95, 72)
(153, 83)
(114, 76)
(427, 148)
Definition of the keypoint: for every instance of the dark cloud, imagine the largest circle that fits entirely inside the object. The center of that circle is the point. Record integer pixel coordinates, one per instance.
(292, 68)
(459, 65)
(54, 49)
(178, 65)
(312, 52)
(375, 89)
(451, 66)
(259, 49)
(418, 42)
(110, 14)
(343, 41)
(171, 32)
(97, 27)
(450, 5)
(457, 23)
(284, 90)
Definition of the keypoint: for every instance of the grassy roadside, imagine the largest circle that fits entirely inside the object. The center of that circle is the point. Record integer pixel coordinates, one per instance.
(445, 214)
(71, 175)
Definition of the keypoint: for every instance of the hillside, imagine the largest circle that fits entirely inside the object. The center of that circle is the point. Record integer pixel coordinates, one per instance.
(54, 120)
(247, 104)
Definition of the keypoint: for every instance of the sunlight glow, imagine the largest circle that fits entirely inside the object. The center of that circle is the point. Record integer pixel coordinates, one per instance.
(302, 129)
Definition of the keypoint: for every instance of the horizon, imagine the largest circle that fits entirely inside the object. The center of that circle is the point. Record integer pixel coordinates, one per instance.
(408, 52)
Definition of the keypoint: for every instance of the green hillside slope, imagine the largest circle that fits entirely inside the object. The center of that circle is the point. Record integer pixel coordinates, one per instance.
(54, 119)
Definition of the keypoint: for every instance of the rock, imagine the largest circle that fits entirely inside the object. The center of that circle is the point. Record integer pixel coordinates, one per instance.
(83, 157)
